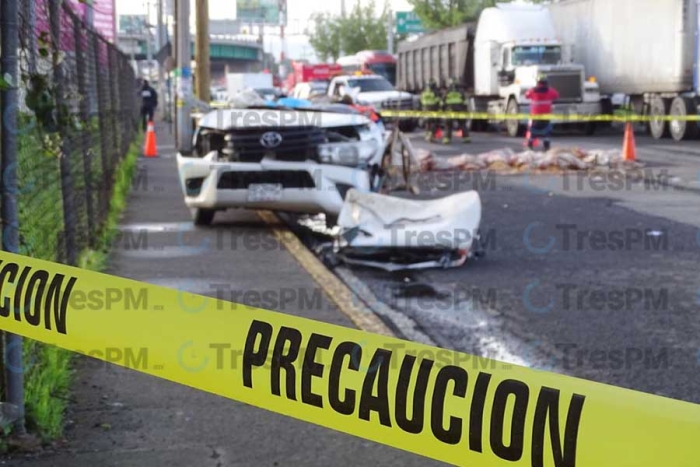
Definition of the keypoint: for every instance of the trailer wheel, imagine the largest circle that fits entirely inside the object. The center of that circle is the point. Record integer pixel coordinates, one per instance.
(683, 129)
(514, 127)
(658, 107)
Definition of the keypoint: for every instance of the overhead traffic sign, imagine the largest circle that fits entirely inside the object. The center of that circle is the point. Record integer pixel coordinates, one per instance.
(408, 23)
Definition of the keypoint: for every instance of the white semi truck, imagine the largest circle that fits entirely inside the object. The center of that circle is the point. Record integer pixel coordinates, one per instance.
(497, 60)
(645, 51)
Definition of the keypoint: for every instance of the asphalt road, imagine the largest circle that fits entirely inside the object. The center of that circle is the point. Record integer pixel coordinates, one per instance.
(556, 290)
(588, 279)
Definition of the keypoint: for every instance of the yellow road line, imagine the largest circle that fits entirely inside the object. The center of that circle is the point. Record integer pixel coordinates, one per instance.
(337, 291)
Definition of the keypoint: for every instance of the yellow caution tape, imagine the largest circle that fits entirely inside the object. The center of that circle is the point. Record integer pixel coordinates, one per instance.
(633, 118)
(557, 118)
(445, 405)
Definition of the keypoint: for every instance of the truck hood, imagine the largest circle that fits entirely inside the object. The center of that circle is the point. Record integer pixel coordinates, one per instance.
(228, 119)
(378, 97)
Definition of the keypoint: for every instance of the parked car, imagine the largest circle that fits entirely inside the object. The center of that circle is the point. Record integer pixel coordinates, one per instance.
(376, 91)
(270, 94)
(279, 159)
(310, 90)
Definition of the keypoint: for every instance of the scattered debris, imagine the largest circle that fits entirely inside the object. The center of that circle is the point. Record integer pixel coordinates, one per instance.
(509, 161)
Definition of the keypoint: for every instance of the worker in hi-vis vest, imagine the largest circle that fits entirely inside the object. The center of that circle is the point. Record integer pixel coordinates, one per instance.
(430, 102)
(455, 101)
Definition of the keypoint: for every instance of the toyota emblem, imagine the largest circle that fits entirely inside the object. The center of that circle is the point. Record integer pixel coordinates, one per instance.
(271, 140)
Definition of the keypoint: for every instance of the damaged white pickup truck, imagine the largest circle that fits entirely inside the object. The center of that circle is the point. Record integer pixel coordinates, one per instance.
(302, 161)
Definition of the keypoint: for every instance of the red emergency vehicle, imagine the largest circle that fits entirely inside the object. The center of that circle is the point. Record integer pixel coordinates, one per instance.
(304, 73)
(378, 62)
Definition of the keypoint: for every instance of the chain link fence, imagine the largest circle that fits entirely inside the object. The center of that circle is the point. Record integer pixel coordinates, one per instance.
(77, 117)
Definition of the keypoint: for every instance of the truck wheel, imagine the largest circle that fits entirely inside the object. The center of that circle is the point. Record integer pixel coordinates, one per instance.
(683, 129)
(202, 216)
(658, 107)
(514, 127)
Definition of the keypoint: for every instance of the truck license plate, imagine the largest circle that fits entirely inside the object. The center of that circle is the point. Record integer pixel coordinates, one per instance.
(264, 192)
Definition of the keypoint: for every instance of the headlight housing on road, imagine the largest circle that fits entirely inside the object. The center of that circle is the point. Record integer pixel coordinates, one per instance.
(351, 154)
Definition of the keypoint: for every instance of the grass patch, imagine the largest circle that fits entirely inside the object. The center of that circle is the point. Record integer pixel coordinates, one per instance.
(48, 370)
(96, 259)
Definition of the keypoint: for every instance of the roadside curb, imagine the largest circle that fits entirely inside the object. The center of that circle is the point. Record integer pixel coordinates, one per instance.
(345, 299)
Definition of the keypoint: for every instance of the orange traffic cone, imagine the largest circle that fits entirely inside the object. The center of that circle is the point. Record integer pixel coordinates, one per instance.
(150, 148)
(629, 148)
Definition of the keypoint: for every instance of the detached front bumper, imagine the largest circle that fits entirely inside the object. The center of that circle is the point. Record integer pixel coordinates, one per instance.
(304, 187)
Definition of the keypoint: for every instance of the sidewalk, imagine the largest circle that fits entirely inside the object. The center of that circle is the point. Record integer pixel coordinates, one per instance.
(124, 418)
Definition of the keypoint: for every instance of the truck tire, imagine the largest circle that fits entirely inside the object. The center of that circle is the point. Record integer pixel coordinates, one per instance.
(681, 129)
(658, 107)
(202, 216)
(514, 127)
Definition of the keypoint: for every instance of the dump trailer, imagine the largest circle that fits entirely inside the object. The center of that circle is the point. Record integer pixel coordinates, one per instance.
(644, 50)
(497, 60)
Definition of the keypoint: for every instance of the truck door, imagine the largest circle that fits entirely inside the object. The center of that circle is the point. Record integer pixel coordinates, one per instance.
(506, 75)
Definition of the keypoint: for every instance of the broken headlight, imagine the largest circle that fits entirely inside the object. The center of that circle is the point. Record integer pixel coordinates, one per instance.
(351, 154)
(228, 151)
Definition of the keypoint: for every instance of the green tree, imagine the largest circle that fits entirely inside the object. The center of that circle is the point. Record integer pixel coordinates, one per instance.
(438, 14)
(361, 29)
(325, 37)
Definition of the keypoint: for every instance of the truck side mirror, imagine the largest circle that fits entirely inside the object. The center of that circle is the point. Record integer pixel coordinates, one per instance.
(506, 78)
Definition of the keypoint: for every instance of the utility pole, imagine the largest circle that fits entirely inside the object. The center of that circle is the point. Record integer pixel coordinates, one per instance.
(89, 14)
(203, 81)
(172, 95)
(160, 41)
(9, 66)
(282, 72)
(149, 44)
(390, 31)
(184, 78)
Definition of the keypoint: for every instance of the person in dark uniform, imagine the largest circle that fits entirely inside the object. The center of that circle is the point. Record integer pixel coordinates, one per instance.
(430, 102)
(149, 103)
(455, 101)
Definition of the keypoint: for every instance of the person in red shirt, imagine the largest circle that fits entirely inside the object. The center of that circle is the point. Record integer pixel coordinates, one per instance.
(541, 97)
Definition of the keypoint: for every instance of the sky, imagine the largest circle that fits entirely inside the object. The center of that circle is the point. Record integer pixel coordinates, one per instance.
(299, 11)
